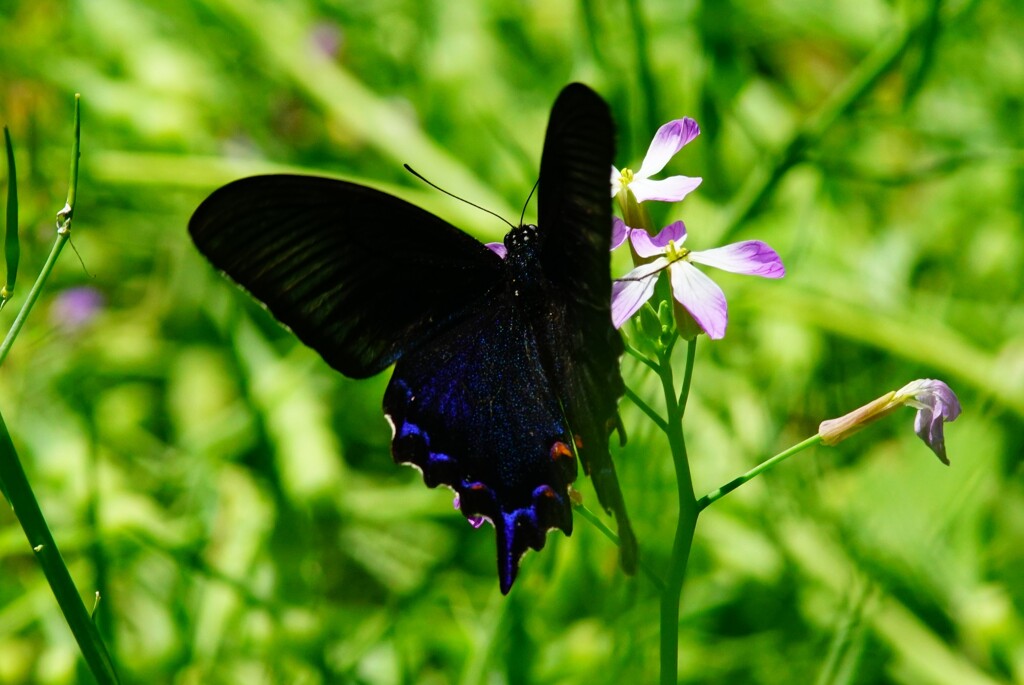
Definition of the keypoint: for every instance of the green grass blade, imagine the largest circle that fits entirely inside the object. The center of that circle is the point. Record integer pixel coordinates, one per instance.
(26, 508)
(12, 245)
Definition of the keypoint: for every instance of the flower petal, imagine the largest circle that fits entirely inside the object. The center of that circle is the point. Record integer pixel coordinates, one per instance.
(498, 249)
(701, 296)
(928, 426)
(935, 402)
(631, 291)
(751, 257)
(620, 231)
(669, 140)
(671, 189)
(674, 232)
(616, 181)
(644, 245)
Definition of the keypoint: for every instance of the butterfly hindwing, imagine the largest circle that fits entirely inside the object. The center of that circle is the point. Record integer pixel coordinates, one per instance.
(475, 410)
(358, 275)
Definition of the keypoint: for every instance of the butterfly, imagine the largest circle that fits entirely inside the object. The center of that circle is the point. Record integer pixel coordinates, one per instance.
(506, 368)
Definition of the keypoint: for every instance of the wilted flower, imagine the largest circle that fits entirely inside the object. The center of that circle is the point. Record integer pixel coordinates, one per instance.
(697, 293)
(669, 140)
(935, 403)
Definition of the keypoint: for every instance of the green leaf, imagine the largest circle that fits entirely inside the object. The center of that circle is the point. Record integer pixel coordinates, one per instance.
(12, 245)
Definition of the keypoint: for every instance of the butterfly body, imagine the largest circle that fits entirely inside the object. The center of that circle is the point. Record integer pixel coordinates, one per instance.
(506, 369)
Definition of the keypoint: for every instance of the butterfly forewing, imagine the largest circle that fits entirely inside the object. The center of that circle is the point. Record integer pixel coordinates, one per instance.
(575, 218)
(360, 276)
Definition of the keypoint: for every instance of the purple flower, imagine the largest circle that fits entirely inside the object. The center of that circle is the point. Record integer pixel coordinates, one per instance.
(935, 403)
(669, 140)
(326, 39)
(697, 293)
(75, 307)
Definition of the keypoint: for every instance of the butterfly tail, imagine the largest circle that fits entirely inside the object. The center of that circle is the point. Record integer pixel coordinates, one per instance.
(527, 528)
(609, 494)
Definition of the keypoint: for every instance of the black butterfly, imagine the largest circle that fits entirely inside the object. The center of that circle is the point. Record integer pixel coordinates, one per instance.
(506, 370)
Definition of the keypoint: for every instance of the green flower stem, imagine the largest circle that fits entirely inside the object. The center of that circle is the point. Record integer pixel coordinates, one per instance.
(648, 410)
(651, 574)
(687, 523)
(642, 358)
(721, 492)
(26, 509)
(63, 235)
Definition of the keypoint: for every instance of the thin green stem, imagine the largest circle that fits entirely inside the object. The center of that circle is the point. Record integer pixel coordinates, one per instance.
(63, 235)
(687, 523)
(33, 295)
(684, 394)
(76, 153)
(590, 516)
(647, 409)
(648, 84)
(869, 72)
(642, 358)
(721, 492)
(27, 511)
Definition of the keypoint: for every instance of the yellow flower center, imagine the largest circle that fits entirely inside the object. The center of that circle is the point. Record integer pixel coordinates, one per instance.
(626, 177)
(675, 252)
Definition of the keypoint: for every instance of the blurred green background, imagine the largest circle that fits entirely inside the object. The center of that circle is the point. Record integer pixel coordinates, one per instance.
(234, 500)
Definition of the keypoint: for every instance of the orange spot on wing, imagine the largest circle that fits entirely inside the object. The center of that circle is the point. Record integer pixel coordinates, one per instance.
(560, 450)
(578, 440)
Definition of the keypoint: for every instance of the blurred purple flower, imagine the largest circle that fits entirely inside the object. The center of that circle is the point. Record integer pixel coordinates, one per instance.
(326, 39)
(669, 140)
(73, 308)
(697, 293)
(935, 402)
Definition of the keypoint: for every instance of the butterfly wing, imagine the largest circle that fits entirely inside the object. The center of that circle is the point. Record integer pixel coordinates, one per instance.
(474, 409)
(575, 218)
(360, 276)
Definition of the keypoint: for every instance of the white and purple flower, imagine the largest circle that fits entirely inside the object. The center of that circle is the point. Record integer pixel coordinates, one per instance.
(935, 402)
(697, 293)
(669, 140)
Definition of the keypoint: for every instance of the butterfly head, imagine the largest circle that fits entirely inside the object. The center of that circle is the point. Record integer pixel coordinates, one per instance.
(523, 259)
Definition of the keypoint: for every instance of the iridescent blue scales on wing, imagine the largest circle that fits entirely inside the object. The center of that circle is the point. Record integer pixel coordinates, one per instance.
(475, 410)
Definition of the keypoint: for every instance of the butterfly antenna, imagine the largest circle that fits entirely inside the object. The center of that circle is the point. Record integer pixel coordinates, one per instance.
(461, 199)
(525, 204)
